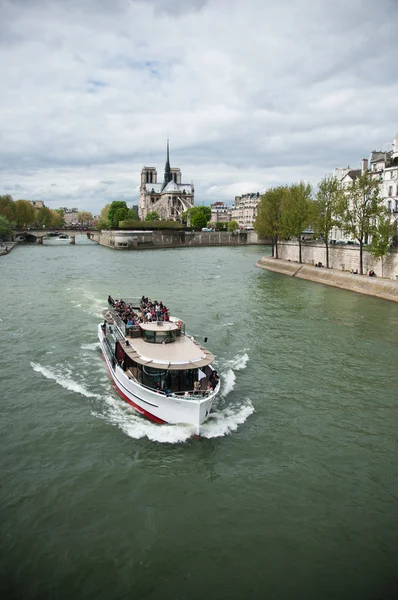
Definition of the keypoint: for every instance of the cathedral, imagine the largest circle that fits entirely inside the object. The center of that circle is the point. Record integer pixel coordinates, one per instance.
(169, 198)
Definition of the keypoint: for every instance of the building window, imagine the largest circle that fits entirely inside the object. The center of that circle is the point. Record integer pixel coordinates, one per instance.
(390, 190)
(389, 205)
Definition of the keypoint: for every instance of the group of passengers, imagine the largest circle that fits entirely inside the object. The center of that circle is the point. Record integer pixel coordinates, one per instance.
(126, 312)
(150, 311)
(154, 311)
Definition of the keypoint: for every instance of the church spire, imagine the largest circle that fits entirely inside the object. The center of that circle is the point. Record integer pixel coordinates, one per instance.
(167, 169)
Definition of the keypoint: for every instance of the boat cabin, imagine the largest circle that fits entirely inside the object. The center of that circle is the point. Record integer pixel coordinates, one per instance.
(159, 355)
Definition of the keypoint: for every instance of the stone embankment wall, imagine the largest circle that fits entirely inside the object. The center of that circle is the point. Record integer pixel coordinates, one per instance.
(137, 240)
(373, 286)
(342, 258)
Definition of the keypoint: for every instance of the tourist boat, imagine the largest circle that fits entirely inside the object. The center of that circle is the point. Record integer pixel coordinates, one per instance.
(158, 368)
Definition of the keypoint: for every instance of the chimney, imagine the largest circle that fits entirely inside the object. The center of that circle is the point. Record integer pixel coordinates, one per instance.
(364, 165)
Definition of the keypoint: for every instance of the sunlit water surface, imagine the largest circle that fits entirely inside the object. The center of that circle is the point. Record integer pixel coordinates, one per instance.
(291, 492)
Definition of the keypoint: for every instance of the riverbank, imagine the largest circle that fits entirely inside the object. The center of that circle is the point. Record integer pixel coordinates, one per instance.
(363, 284)
(6, 247)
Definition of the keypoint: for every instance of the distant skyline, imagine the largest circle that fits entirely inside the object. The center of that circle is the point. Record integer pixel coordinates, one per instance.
(251, 94)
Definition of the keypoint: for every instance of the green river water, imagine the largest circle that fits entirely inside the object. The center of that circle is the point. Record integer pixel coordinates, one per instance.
(291, 491)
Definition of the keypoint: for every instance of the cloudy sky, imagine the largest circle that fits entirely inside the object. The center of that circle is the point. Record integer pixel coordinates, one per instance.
(252, 93)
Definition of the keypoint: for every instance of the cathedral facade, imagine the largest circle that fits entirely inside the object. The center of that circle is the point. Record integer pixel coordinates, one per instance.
(169, 198)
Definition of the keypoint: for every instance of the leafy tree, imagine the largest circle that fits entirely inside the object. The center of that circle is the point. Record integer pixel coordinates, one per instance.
(25, 214)
(206, 210)
(327, 201)
(104, 214)
(152, 216)
(5, 227)
(297, 210)
(133, 215)
(198, 219)
(112, 217)
(102, 224)
(7, 207)
(269, 216)
(44, 216)
(84, 217)
(232, 225)
(57, 218)
(381, 236)
(220, 226)
(360, 209)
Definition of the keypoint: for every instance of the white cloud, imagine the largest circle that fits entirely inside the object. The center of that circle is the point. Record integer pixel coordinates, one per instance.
(252, 93)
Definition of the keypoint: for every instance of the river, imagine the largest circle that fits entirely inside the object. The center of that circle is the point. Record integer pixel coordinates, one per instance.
(291, 491)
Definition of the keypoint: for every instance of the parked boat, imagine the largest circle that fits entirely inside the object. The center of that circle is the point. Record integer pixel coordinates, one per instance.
(156, 367)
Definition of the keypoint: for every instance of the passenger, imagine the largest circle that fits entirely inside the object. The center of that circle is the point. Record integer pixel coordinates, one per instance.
(214, 379)
(196, 388)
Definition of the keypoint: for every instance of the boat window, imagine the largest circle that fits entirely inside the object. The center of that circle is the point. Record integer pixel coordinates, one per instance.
(158, 337)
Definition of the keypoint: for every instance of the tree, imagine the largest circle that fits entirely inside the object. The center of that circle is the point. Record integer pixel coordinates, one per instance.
(360, 209)
(84, 218)
(269, 216)
(198, 219)
(25, 214)
(188, 214)
(57, 218)
(104, 214)
(5, 227)
(327, 201)
(381, 236)
(44, 216)
(232, 225)
(297, 209)
(7, 207)
(152, 216)
(102, 224)
(112, 217)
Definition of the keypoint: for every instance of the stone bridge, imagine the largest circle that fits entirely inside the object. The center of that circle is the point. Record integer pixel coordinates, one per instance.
(36, 236)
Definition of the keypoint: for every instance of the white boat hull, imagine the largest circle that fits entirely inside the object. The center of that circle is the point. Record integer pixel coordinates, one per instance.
(173, 409)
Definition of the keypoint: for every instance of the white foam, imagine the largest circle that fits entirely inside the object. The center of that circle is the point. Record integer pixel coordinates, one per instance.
(220, 423)
(227, 382)
(63, 380)
(92, 346)
(239, 362)
(227, 324)
(227, 421)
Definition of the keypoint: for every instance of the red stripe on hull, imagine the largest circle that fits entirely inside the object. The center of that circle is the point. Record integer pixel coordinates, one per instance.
(138, 408)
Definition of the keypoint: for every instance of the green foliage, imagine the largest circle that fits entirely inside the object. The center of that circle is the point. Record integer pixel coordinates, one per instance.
(114, 218)
(103, 224)
(5, 227)
(57, 218)
(44, 216)
(206, 210)
(131, 214)
(381, 236)
(360, 209)
(104, 214)
(269, 222)
(84, 217)
(7, 207)
(25, 213)
(198, 219)
(152, 216)
(326, 204)
(232, 225)
(220, 226)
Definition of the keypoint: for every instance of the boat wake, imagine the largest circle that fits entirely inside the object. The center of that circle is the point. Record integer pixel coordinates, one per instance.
(220, 423)
(65, 379)
(224, 419)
